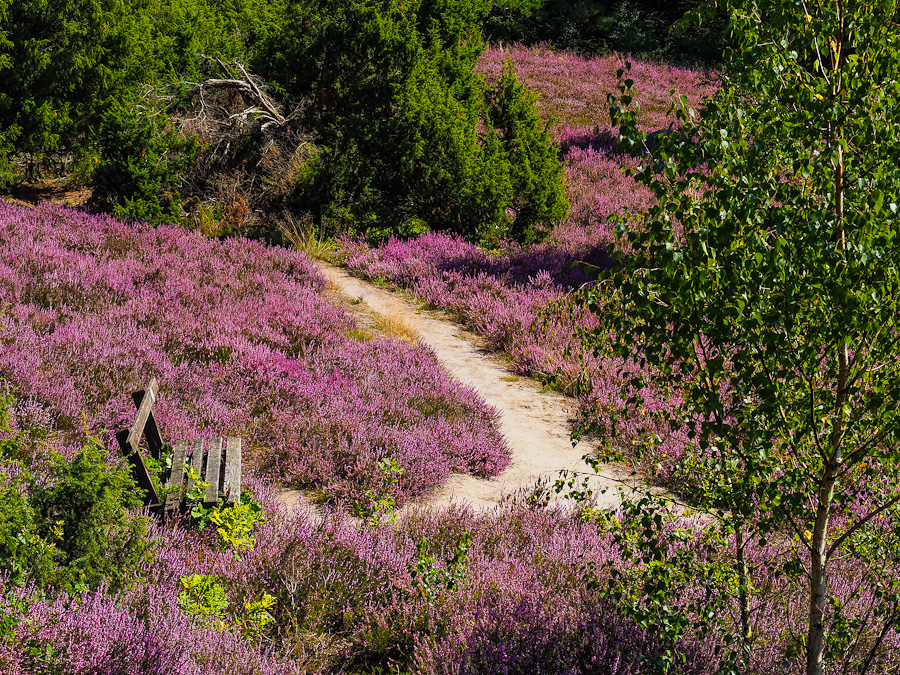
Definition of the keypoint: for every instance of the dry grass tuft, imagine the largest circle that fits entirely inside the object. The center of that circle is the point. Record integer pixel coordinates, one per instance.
(301, 234)
(394, 326)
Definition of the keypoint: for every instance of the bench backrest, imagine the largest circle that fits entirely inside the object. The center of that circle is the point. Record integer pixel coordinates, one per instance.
(129, 439)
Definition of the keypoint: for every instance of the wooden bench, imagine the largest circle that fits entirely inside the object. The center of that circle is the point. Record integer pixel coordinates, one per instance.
(219, 464)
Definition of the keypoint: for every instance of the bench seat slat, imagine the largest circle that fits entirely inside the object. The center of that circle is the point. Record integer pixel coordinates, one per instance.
(232, 486)
(196, 464)
(213, 460)
(176, 476)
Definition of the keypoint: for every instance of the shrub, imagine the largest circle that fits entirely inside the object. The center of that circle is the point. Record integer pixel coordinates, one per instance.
(64, 522)
(234, 523)
(48, 47)
(406, 138)
(203, 597)
(22, 551)
(64, 65)
(141, 161)
(88, 507)
(535, 171)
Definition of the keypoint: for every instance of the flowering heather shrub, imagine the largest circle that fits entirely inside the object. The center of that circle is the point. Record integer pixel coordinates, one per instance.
(500, 296)
(242, 343)
(346, 595)
(97, 634)
(532, 638)
(572, 89)
(524, 604)
(346, 601)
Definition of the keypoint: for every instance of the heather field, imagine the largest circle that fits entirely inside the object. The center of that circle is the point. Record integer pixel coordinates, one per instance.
(501, 594)
(671, 447)
(443, 592)
(242, 342)
(448, 592)
(519, 298)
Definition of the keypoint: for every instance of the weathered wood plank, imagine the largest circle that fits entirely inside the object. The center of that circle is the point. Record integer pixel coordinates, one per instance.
(176, 475)
(232, 485)
(143, 413)
(212, 471)
(151, 429)
(196, 464)
(138, 469)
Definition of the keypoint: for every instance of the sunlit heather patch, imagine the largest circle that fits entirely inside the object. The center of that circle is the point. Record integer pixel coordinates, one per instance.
(241, 342)
(345, 593)
(573, 89)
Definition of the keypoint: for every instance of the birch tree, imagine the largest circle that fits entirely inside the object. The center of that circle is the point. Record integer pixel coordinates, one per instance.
(763, 291)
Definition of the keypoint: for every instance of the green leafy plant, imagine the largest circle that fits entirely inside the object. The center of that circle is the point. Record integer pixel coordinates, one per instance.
(9, 619)
(432, 580)
(70, 523)
(23, 552)
(235, 523)
(87, 510)
(379, 503)
(762, 290)
(200, 514)
(204, 597)
(256, 618)
(141, 163)
(159, 469)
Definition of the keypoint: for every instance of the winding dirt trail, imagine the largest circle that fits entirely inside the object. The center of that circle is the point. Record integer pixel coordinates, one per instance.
(535, 424)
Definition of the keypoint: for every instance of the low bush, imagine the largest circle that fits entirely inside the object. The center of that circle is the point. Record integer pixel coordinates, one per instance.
(535, 172)
(111, 49)
(140, 166)
(67, 522)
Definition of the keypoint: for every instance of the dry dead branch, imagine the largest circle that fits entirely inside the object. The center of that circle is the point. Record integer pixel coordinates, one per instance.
(247, 85)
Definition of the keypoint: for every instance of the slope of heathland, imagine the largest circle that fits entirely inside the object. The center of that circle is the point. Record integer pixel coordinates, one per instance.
(243, 344)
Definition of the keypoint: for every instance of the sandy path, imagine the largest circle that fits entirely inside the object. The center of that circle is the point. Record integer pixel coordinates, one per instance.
(536, 425)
